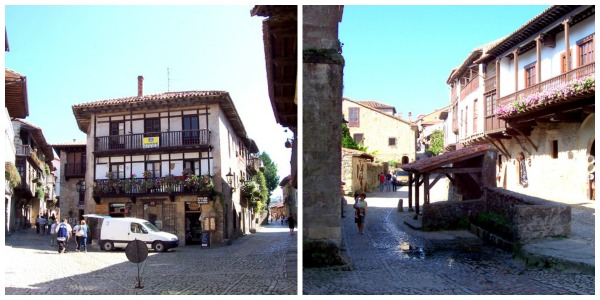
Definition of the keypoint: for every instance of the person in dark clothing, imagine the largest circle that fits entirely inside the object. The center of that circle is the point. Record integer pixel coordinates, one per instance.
(62, 234)
(291, 224)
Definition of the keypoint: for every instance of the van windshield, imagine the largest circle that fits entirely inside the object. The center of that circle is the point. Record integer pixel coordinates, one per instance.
(151, 227)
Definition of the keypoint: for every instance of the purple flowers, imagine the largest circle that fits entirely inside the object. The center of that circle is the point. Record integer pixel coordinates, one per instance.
(554, 93)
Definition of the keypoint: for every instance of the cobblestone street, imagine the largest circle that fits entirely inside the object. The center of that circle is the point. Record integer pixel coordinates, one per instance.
(392, 258)
(256, 264)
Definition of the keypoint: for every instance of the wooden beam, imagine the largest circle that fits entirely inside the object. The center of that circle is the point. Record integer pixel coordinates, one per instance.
(527, 138)
(496, 146)
(437, 178)
(417, 198)
(450, 178)
(455, 170)
(524, 149)
(506, 151)
(410, 191)
(477, 179)
(426, 189)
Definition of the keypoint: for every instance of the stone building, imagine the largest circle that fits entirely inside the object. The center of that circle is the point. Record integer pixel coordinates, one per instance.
(72, 179)
(359, 173)
(177, 159)
(391, 138)
(523, 93)
(426, 125)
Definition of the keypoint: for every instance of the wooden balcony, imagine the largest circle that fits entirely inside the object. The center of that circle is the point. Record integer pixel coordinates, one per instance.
(494, 124)
(472, 86)
(489, 84)
(74, 170)
(162, 141)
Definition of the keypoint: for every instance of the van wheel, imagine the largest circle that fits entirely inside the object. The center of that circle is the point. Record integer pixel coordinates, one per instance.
(159, 246)
(108, 246)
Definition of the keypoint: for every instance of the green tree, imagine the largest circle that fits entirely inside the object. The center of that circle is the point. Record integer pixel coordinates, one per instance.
(270, 173)
(264, 192)
(436, 140)
(349, 142)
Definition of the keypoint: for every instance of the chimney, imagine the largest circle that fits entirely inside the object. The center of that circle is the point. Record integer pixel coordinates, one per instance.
(140, 86)
(399, 115)
(409, 115)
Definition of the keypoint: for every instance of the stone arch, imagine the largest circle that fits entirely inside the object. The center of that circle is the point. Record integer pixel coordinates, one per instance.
(404, 159)
(586, 138)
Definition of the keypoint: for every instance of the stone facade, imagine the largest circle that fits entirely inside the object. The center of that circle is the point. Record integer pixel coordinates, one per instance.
(377, 128)
(562, 178)
(322, 102)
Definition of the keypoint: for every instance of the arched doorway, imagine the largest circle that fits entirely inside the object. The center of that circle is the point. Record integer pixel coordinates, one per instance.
(404, 159)
(592, 172)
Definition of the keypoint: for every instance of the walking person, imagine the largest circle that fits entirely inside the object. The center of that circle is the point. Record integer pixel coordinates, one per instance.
(43, 222)
(381, 181)
(38, 221)
(360, 212)
(291, 223)
(81, 233)
(388, 181)
(62, 235)
(53, 233)
(394, 183)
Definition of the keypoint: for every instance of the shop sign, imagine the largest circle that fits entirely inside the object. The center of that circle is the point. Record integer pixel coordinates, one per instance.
(151, 142)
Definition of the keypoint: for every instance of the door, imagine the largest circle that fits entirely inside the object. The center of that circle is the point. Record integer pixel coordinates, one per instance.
(191, 133)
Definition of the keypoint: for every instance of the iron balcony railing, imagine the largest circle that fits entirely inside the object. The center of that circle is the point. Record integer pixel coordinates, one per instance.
(159, 185)
(200, 137)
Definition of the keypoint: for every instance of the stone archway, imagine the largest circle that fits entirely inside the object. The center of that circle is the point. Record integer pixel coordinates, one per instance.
(586, 141)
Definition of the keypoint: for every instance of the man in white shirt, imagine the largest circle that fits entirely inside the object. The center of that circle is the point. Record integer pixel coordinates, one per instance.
(53, 233)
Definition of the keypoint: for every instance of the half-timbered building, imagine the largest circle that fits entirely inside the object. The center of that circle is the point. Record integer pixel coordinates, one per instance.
(176, 159)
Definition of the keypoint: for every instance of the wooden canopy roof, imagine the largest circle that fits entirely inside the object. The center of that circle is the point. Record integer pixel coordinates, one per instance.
(15, 99)
(280, 35)
(430, 164)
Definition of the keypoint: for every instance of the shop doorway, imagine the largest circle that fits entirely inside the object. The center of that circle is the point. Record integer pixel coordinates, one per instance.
(193, 223)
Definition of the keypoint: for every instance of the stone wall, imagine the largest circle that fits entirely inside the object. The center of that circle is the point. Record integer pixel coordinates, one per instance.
(448, 214)
(532, 218)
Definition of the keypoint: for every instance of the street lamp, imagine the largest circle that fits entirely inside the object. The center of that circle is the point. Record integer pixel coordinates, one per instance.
(230, 181)
(80, 186)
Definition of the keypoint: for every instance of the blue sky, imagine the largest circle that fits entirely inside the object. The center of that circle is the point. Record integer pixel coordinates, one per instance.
(76, 54)
(402, 55)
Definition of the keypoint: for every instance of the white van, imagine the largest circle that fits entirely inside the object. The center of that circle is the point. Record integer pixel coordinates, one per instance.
(118, 232)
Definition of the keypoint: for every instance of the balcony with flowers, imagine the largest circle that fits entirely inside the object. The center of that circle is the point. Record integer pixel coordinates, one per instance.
(187, 183)
(562, 97)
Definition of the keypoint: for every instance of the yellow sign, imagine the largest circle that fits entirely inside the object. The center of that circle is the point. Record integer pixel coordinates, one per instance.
(151, 142)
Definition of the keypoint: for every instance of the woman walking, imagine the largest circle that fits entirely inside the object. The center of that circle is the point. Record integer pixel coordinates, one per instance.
(360, 212)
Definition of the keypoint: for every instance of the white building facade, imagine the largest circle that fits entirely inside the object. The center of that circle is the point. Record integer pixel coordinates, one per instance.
(523, 94)
(176, 159)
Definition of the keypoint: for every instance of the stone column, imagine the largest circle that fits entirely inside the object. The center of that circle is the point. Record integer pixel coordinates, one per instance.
(322, 120)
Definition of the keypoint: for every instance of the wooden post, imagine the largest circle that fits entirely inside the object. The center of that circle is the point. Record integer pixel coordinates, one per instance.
(426, 188)
(417, 195)
(410, 191)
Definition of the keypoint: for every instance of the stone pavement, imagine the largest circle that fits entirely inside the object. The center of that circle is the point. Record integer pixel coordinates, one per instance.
(392, 258)
(262, 263)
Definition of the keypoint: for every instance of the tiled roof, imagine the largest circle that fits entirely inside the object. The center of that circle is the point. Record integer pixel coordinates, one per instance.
(427, 164)
(83, 111)
(377, 105)
(73, 143)
(148, 98)
(358, 153)
(38, 136)
(379, 111)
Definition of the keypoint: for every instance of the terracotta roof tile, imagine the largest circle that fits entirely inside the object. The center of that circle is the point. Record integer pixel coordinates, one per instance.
(427, 164)
(149, 98)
